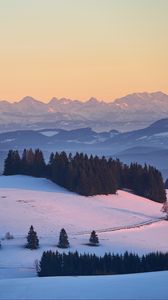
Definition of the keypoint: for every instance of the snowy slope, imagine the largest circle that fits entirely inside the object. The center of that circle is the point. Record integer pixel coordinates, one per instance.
(136, 286)
(26, 200)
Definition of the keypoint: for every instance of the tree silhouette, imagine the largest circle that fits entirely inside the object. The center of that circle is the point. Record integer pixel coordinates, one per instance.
(63, 239)
(12, 163)
(88, 176)
(32, 239)
(165, 209)
(94, 240)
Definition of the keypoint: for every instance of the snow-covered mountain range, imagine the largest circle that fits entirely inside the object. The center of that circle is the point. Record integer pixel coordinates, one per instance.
(133, 111)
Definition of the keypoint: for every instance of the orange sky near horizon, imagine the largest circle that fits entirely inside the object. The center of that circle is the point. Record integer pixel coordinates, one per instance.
(82, 48)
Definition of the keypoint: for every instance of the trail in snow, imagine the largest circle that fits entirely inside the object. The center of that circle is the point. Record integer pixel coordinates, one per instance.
(134, 226)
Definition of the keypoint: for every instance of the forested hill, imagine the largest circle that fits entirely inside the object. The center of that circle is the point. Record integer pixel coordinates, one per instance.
(88, 175)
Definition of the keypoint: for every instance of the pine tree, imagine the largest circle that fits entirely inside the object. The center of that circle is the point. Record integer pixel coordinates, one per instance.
(94, 240)
(49, 166)
(8, 164)
(39, 166)
(24, 168)
(63, 239)
(165, 209)
(32, 239)
(12, 163)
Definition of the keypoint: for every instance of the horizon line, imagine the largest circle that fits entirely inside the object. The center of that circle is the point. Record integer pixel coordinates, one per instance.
(79, 100)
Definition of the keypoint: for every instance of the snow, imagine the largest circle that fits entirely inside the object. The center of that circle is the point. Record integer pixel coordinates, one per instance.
(78, 142)
(7, 141)
(135, 286)
(51, 110)
(141, 138)
(49, 133)
(26, 200)
(48, 207)
(161, 134)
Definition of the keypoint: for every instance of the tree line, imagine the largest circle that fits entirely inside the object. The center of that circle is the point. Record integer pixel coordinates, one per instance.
(88, 175)
(75, 264)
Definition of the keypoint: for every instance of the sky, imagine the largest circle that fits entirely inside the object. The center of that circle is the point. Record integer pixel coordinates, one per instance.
(82, 48)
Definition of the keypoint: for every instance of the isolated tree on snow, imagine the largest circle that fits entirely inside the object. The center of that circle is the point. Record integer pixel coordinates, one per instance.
(94, 240)
(63, 239)
(9, 236)
(165, 209)
(32, 239)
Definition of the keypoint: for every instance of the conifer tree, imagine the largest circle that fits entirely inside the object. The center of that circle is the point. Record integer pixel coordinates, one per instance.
(39, 166)
(49, 166)
(32, 239)
(24, 168)
(165, 209)
(94, 240)
(63, 239)
(8, 164)
(12, 163)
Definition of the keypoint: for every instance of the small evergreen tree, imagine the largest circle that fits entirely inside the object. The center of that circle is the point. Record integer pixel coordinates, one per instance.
(9, 236)
(165, 209)
(32, 239)
(94, 240)
(63, 239)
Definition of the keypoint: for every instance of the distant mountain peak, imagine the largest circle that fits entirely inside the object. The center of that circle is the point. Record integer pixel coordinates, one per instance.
(65, 100)
(133, 111)
(93, 100)
(159, 93)
(29, 99)
(53, 100)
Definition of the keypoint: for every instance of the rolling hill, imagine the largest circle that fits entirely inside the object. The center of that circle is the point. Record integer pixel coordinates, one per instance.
(124, 222)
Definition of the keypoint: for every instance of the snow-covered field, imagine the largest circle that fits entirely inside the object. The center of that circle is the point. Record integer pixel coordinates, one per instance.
(137, 286)
(26, 201)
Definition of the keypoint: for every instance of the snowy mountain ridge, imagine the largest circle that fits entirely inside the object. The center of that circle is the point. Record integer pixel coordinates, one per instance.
(130, 112)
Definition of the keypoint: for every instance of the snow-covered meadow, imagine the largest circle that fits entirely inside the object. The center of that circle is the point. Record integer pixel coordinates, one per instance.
(146, 286)
(118, 220)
